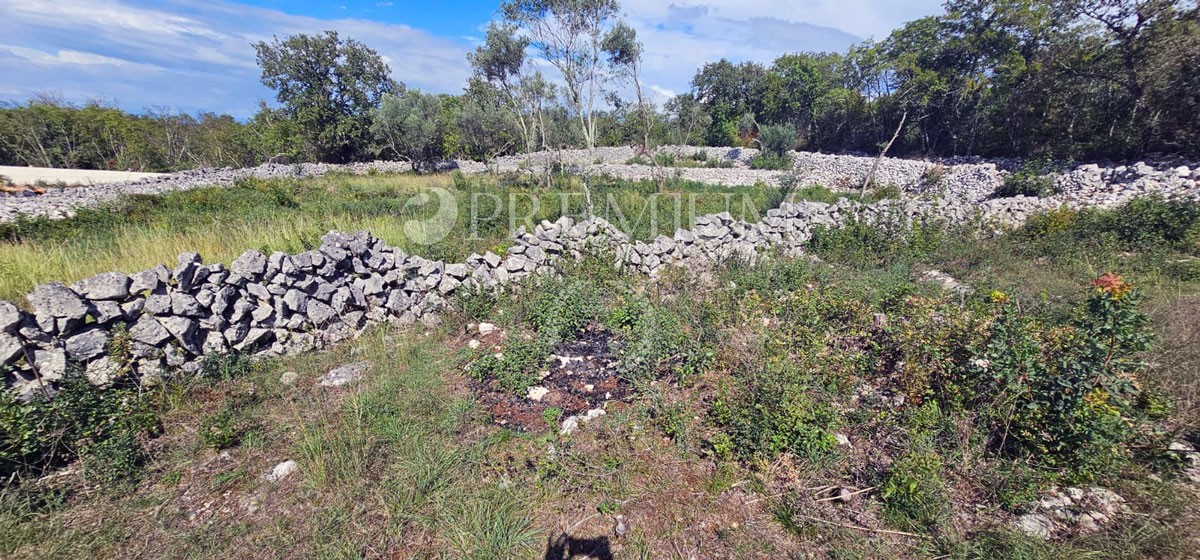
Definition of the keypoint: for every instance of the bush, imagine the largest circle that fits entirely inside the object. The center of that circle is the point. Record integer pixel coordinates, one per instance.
(777, 139)
(1062, 395)
(1035, 178)
(914, 495)
(876, 245)
(771, 162)
(114, 460)
(771, 413)
(1142, 224)
(515, 369)
(78, 422)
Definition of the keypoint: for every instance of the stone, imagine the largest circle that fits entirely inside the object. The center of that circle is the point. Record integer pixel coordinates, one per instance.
(288, 378)
(1035, 525)
(109, 285)
(537, 393)
(103, 372)
(57, 300)
(344, 375)
(51, 364)
(158, 304)
(486, 329)
(320, 313)
(184, 330)
(10, 317)
(281, 471)
(87, 344)
(186, 305)
(148, 330)
(10, 349)
(145, 281)
(296, 301)
(573, 423)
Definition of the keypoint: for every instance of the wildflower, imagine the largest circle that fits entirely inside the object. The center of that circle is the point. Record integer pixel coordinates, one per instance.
(999, 297)
(981, 363)
(1113, 285)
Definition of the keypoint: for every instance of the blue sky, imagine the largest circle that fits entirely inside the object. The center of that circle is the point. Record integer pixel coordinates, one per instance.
(190, 55)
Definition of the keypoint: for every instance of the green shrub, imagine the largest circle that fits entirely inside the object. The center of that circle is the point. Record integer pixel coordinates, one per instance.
(655, 341)
(777, 139)
(866, 245)
(914, 495)
(78, 421)
(771, 411)
(223, 367)
(114, 460)
(1035, 178)
(1073, 386)
(1142, 224)
(221, 429)
(516, 368)
(559, 309)
(772, 162)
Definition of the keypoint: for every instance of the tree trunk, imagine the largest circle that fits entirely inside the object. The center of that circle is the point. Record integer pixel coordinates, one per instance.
(867, 180)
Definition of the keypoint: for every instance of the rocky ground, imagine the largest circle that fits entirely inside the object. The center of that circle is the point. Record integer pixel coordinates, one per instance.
(966, 181)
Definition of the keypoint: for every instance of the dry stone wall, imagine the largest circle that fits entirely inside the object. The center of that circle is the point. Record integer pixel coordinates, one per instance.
(168, 319)
(966, 180)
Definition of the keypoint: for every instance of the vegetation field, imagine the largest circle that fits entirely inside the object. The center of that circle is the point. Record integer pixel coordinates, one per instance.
(836, 407)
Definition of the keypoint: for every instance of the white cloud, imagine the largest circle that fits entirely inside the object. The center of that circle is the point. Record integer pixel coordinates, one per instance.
(206, 45)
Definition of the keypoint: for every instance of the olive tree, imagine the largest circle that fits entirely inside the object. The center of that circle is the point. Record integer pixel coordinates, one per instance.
(406, 126)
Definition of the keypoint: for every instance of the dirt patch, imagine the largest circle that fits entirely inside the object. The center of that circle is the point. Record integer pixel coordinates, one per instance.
(580, 376)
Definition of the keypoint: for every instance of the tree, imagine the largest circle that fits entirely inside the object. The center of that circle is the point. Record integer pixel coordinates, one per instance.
(570, 35)
(407, 126)
(329, 86)
(625, 56)
(500, 61)
(485, 125)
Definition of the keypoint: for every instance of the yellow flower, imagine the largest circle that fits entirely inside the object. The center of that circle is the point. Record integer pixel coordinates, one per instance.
(999, 297)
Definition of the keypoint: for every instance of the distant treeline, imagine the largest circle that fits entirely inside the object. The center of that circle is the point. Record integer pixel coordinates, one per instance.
(1069, 79)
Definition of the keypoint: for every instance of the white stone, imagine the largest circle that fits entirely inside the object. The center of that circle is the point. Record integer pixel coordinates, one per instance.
(281, 471)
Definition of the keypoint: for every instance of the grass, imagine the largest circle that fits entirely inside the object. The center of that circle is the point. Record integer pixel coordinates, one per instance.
(742, 383)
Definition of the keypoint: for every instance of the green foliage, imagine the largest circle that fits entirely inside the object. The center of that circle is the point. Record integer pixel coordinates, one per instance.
(406, 126)
(552, 415)
(560, 309)
(515, 369)
(656, 340)
(99, 424)
(777, 139)
(1148, 224)
(1035, 178)
(775, 162)
(874, 245)
(328, 86)
(1073, 387)
(773, 412)
(229, 424)
(114, 460)
(232, 365)
(913, 492)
